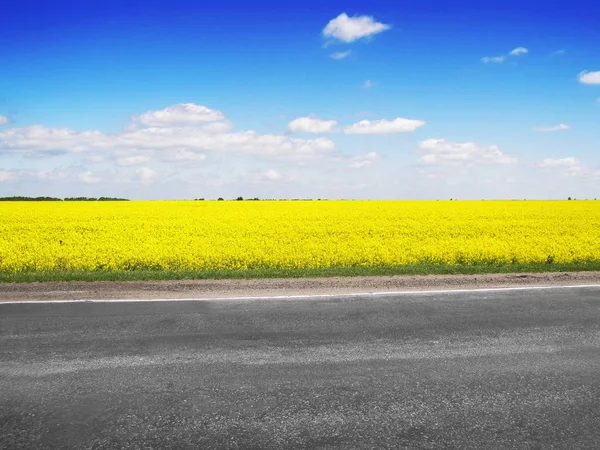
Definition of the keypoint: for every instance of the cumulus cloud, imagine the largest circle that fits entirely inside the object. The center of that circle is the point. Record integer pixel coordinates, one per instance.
(311, 125)
(27, 175)
(132, 160)
(89, 177)
(58, 173)
(519, 51)
(587, 77)
(37, 138)
(145, 173)
(216, 127)
(368, 84)
(6, 175)
(440, 151)
(262, 177)
(363, 161)
(73, 174)
(568, 167)
(3, 120)
(340, 55)
(398, 125)
(560, 162)
(272, 175)
(183, 156)
(180, 115)
(349, 29)
(558, 127)
(95, 159)
(492, 59)
(162, 139)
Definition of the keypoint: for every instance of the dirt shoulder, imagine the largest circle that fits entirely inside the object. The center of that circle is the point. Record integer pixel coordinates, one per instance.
(144, 290)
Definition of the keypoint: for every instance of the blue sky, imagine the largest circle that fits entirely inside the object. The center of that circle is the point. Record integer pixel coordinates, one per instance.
(337, 100)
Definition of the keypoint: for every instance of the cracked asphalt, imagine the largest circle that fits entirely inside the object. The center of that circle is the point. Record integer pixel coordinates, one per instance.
(493, 370)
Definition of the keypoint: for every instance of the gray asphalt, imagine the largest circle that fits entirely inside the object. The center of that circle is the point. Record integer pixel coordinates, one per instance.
(480, 370)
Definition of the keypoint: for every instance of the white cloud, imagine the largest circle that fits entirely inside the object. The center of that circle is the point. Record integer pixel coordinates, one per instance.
(500, 59)
(95, 159)
(179, 115)
(368, 84)
(587, 77)
(340, 55)
(58, 173)
(4, 120)
(311, 125)
(440, 151)
(132, 160)
(216, 127)
(262, 177)
(568, 167)
(492, 59)
(272, 175)
(559, 52)
(349, 29)
(561, 162)
(89, 177)
(145, 173)
(30, 175)
(519, 51)
(9, 175)
(39, 139)
(73, 174)
(363, 161)
(6, 176)
(559, 127)
(184, 156)
(398, 125)
(247, 143)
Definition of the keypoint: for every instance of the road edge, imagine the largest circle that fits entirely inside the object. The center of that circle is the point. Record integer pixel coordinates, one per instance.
(283, 288)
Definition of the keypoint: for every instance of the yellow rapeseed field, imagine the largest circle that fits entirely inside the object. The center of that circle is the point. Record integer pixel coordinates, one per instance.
(198, 235)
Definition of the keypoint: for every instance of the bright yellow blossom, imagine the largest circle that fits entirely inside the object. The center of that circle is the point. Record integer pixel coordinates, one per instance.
(197, 235)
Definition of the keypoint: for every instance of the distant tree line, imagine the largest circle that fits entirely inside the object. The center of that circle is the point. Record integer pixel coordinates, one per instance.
(92, 199)
(55, 199)
(256, 199)
(30, 199)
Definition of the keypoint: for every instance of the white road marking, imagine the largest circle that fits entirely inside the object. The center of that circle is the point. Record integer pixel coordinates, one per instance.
(311, 296)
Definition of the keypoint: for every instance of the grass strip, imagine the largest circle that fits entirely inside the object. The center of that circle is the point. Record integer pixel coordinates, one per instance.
(416, 269)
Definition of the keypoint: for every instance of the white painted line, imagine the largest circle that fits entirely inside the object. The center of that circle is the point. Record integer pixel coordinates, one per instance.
(310, 296)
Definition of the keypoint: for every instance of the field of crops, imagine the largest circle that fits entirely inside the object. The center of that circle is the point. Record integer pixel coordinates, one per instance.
(203, 235)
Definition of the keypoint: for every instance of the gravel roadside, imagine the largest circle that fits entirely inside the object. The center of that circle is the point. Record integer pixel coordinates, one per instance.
(173, 289)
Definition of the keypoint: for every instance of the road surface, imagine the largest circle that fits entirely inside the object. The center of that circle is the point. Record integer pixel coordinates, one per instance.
(489, 369)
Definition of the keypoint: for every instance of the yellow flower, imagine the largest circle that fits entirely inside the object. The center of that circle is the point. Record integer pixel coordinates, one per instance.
(188, 235)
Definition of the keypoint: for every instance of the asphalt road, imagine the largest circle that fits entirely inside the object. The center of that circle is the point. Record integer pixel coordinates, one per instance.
(478, 370)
